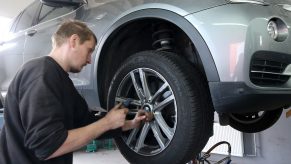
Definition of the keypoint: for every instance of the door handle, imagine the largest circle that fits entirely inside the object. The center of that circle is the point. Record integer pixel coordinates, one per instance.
(30, 32)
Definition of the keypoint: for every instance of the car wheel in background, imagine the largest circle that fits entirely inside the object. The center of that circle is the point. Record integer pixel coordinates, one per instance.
(255, 121)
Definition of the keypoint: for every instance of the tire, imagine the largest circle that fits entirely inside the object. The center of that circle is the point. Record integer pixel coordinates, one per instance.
(181, 126)
(254, 122)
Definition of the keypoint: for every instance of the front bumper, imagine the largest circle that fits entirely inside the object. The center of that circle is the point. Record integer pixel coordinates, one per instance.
(237, 97)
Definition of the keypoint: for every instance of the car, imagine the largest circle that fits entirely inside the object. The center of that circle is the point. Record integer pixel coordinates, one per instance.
(181, 60)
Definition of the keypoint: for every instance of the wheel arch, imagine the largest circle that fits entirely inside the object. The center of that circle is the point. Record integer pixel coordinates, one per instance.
(112, 42)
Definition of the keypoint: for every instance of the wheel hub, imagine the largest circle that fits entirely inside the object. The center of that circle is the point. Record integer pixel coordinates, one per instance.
(148, 108)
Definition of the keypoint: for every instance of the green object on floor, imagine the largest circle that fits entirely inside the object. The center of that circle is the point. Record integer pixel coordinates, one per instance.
(106, 144)
(100, 144)
(92, 146)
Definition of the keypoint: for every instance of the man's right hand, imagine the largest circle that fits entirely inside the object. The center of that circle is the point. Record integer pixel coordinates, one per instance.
(116, 116)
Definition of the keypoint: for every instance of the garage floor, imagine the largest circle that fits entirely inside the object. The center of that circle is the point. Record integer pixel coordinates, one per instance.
(100, 157)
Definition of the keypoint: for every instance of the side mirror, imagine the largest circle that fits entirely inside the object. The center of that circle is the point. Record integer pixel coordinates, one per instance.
(59, 3)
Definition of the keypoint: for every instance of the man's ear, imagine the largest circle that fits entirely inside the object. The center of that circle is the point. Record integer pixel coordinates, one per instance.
(74, 40)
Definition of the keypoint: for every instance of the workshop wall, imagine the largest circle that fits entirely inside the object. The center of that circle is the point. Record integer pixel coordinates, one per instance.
(11, 8)
(270, 146)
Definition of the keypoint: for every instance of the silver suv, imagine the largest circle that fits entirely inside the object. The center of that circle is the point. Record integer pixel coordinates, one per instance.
(179, 59)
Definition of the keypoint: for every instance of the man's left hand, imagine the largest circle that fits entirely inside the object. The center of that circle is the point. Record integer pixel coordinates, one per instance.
(136, 122)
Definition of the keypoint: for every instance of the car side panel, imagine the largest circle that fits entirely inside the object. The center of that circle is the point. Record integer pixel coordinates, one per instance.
(11, 58)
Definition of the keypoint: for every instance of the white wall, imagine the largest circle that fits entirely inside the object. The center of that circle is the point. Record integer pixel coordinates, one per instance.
(273, 145)
(10, 8)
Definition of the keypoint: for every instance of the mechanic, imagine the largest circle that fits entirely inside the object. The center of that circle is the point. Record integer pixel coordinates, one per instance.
(46, 119)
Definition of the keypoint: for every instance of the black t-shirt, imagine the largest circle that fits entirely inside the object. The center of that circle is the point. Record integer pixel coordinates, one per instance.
(41, 105)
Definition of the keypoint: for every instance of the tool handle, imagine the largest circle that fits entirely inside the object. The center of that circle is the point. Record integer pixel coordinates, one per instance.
(127, 102)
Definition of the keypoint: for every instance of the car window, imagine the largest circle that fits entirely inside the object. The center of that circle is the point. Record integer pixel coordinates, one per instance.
(49, 12)
(14, 22)
(27, 17)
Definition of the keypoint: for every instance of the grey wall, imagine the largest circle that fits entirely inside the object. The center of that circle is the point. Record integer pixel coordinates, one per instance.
(273, 146)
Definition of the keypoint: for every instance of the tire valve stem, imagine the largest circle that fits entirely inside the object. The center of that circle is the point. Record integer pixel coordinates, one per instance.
(163, 39)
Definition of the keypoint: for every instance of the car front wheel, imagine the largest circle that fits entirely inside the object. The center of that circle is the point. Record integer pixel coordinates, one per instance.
(174, 92)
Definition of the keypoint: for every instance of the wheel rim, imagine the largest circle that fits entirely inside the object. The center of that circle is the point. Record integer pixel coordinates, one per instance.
(248, 118)
(151, 92)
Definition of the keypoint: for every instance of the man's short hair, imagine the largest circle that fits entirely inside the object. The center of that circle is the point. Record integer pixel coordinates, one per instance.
(70, 27)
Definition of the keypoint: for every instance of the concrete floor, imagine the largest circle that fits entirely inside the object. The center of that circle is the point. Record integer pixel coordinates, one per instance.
(100, 157)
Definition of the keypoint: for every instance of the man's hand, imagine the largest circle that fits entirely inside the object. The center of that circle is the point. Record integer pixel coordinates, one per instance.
(79, 137)
(134, 123)
(116, 116)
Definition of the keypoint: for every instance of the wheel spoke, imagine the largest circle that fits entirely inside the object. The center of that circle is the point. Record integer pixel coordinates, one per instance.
(120, 99)
(158, 135)
(131, 136)
(132, 102)
(144, 83)
(169, 132)
(159, 92)
(164, 103)
(137, 88)
(141, 139)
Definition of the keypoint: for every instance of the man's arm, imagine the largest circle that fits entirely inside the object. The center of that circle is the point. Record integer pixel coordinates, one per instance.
(78, 138)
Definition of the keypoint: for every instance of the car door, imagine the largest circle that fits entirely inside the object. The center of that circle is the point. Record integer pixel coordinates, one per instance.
(38, 42)
(11, 50)
(38, 38)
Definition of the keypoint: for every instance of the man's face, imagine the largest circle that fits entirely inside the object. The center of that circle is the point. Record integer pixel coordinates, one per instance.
(82, 55)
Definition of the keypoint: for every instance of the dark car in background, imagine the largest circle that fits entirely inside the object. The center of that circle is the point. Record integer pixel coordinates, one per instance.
(181, 60)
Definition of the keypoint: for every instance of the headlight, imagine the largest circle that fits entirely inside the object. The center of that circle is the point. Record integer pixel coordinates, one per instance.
(286, 7)
(277, 29)
(272, 30)
(259, 2)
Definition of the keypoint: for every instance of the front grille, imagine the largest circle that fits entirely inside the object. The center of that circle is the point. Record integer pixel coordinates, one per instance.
(265, 71)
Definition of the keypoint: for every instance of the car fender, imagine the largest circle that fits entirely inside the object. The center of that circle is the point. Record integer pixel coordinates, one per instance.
(178, 20)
